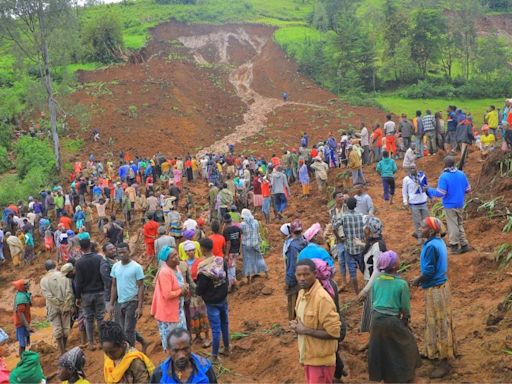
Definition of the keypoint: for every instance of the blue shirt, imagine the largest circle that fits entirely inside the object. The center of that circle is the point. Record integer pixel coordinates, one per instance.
(434, 262)
(452, 187)
(387, 167)
(127, 276)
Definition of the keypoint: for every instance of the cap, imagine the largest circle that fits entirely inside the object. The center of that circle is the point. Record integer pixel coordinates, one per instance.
(66, 268)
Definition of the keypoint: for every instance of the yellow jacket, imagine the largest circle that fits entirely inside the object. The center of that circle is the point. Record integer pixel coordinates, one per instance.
(316, 309)
(354, 160)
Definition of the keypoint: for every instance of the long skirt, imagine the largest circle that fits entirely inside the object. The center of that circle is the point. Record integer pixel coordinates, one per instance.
(198, 316)
(253, 261)
(257, 200)
(366, 318)
(392, 351)
(439, 335)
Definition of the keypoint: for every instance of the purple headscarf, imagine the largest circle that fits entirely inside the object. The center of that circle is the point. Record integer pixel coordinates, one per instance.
(387, 261)
(323, 274)
(189, 234)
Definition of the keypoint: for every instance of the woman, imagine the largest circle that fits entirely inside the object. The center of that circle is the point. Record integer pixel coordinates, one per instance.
(29, 253)
(314, 249)
(79, 218)
(392, 352)
(253, 260)
(257, 197)
(189, 235)
(71, 367)
(167, 306)
(198, 318)
(304, 179)
(440, 342)
(15, 248)
(374, 247)
(123, 363)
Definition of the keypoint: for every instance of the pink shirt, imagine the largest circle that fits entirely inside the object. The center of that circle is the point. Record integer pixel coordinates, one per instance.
(166, 298)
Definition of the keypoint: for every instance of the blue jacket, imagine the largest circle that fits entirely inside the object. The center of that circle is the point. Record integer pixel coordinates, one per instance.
(434, 262)
(387, 167)
(294, 248)
(203, 372)
(452, 187)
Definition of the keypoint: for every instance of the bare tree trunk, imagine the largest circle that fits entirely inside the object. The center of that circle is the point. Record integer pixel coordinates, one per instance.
(52, 106)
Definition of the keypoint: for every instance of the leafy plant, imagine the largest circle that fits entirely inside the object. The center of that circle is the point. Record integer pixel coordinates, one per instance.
(41, 324)
(506, 167)
(237, 335)
(149, 275)
(404, 267)
(438, 210)
(503, 254)
(508, 226)
(132, 111)
(490, 206)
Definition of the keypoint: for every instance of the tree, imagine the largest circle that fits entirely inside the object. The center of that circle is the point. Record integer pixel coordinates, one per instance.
(426, 37)
(30, 24)
(466, 13)
(103, 39)
(492, 55)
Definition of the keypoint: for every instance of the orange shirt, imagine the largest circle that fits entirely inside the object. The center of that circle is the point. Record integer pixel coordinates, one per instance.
(66, 222)
(377, 137)
(275, 161)
(265, 188)
(219, 242)
(22, 308)
(314, 152)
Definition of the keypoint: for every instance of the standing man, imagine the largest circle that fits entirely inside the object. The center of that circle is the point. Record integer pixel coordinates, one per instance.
(212, 200)
(355, 165)
(429, 129)
(365, 143)
(296, 245)
(233, 235)
(304, 141)
(415, 199)
(410, 156)
(127, 297)
(150, 231)
(419, 132)
(58, 292)
(353, 227)
(89, 289)
(321, 170)
(109, 259)
(226, 200)
(452, 187)
(387, 168)
(336, 215)
(317, 325)
(406, 130)
(389, 132)
(440, 344)
(280, 189)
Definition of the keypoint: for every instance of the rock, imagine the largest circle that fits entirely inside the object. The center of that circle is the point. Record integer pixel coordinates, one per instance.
(38, 301)
(494, 319)
(250, 325)
(492, 328)
(267, 291)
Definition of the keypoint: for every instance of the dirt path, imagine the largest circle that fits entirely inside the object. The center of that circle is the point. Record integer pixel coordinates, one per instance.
(242, 77)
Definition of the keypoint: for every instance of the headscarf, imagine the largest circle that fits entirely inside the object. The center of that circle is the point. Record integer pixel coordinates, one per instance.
(74, 361)
(164, 253)
(374, 225)
(247, 216)
(323, 274)
(434, 223)
(189, 246)
(83, 235)
(285, 229)
(189, 233)
(386, 261)
(312, 231)
(78, 208)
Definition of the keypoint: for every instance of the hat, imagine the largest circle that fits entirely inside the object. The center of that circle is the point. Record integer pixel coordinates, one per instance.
(285, 229)
(312, 231)
(19, 284)
(296, 226)
(189, 246)
(317, 158)
(66, 268)
(434, 223)
(210, 184)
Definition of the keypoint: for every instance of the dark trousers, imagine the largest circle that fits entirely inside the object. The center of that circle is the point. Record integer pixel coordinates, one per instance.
(218, 318)
(407, 143)
(93, 305)
(388, 183)
(124, 314)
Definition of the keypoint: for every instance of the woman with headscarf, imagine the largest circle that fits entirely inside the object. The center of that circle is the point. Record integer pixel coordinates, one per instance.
(15, 248)
(167, 306)
(254, 263)
(392, 351)
(440, 344)
(314, 249)
(374, 247)
(189, 235)
(71, 367)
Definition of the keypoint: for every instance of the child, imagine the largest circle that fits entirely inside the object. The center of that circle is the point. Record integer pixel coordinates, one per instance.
(304, 179)
(21, 315)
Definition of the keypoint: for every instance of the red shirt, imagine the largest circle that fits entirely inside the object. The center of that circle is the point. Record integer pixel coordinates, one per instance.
(265, 188)
(66, 222)
(22, 308)
(219, 243)
(377, 137)
(275, 161)
(314, 152)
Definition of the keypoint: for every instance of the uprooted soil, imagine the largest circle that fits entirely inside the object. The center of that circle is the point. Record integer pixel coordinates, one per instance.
(253, 72)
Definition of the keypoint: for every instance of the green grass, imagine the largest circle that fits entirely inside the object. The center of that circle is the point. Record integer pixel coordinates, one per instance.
(72, 146)
(399, 105)
(83, 67)
(292, 39)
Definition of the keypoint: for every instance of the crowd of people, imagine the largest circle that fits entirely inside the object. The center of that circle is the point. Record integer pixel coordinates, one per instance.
(95, 280)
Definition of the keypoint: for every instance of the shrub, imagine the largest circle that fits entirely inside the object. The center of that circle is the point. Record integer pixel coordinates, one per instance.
(5, 164)
(103, 39)
(5, 135)
(32, 153)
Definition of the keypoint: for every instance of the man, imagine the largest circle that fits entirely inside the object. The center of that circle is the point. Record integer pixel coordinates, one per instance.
(492, 119)
(212, 200)
(336, 215)
(452, 187)
(175, 191)
(296, 245)
(321, 170)
(16, 248)
(355, 165)
(429, 129)
(153, 203)
(387, 168)
(364, 201)
(317, 325)
(410, 157)
(89, 289)
(163, 240)
(419, 133)
(150, 232)
(127, 296)
(212, 286)
(109, 259)
(22, 315)
(226, 200)
(304, 141)
(377, 141)
(331, 147)
(389, 132)
(451, 132)
(365, 143)
(58, 292)
(183, 366)
(279, 189)
(415, 199)
(406, 130)
(233, 235)
(353, 226)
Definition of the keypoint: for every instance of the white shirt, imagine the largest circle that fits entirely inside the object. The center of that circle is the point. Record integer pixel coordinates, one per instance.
(412, 192)
(189, 224)
(409, 158)
(365, 137)
(389, 127)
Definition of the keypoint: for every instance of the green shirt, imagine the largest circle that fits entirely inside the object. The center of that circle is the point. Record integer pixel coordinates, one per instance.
(390, 295)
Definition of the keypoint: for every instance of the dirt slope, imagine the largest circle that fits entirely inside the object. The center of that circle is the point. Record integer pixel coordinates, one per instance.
(253, 72)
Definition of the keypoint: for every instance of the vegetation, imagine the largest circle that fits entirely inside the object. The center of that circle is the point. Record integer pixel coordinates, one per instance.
(103, 39)
(503, 255)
